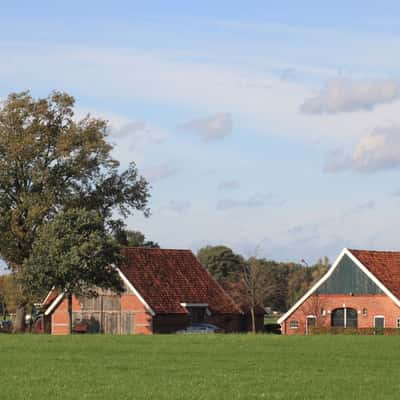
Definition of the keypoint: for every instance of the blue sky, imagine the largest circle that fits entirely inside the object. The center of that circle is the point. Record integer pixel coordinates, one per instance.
(260, 122)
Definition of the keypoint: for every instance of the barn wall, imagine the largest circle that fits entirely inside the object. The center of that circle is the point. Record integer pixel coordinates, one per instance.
(379, 304)
(143, 319)
(59, 317)
(130, 307)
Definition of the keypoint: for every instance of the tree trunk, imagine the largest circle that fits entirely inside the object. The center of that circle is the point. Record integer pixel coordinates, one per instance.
(70, 312)
(19, 323)
(253, 320)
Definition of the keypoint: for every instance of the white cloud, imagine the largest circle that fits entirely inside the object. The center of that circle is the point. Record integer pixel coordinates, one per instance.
(346, 95)
(214, 127)
(376, 151)
(138, 133)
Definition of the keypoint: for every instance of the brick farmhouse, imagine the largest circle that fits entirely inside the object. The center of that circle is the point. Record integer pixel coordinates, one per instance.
(165, 291)
(360, 290)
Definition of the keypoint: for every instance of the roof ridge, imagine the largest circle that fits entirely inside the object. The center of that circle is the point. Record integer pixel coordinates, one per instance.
(153, 248)
(376, 251)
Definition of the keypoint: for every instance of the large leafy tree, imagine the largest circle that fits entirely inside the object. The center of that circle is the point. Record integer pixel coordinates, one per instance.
(132, 238)
(74, 254)
(49, 162)
(221, 262)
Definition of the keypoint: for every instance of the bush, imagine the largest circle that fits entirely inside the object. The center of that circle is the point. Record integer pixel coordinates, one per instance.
(272, 328)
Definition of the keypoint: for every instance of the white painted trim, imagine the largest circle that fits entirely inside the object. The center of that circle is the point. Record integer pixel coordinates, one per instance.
(194, 304)
(136, 293)
(48, 295)
(379, 316)
(347, 252)
(54, 304)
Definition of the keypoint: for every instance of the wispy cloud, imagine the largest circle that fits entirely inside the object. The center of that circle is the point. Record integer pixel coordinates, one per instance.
(254, 201)
(160, 172)
(230, 184)
(210, 128)
(175, 206)
(379, 150)
(346, 95)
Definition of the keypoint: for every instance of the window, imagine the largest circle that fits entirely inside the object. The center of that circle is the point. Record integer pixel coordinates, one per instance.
(364, 312)
(344, 318)
(293, 324)
(197, 312)
(398, 323)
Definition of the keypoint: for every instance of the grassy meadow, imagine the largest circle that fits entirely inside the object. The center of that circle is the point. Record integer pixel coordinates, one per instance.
(199, 367)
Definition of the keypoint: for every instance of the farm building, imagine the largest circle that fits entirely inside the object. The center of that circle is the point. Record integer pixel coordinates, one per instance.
(165, 291)
(360, 290)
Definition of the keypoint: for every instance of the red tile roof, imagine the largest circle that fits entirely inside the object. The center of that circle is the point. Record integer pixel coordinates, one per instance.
(166, 278)
(384, 265)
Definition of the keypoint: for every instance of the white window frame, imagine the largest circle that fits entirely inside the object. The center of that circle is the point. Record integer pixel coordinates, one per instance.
(296, 322)
(398, 323)
(380, 316)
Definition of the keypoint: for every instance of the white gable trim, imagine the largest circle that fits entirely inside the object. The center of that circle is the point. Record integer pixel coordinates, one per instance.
(54, 304)
(136, 293)
(330, 272)
(48, 295)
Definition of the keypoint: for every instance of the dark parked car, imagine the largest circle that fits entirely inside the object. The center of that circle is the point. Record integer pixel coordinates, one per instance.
(201, 328)
(5, 325)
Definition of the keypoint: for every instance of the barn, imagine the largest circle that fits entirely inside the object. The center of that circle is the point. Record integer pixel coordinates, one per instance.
(165, 290)
(360, 290)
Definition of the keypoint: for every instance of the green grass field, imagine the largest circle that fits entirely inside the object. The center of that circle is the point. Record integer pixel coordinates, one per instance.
(199, 367)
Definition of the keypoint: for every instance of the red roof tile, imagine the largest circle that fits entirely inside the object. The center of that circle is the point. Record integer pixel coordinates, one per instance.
(166, 278)
(384, 265)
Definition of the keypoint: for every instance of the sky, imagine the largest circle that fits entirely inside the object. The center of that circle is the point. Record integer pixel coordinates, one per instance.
(269, 127)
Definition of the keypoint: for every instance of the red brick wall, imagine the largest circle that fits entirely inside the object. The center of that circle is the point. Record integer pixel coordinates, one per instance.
(379, 304)
(59, 318)
(144, 323)
(142, 318)
(129, 302)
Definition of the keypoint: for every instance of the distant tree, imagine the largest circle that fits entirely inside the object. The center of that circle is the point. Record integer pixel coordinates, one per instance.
(221, 262)
(8, 293)
(256, 284)
(75, 255)
(130, 238)
(49, 162)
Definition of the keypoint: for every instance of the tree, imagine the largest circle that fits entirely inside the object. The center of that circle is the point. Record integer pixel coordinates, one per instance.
(256, 286)
(222, 263)
(130, 238)
(51, 162)
(74, 254)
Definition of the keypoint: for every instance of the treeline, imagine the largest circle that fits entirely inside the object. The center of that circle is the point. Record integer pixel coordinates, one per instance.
(287, 281)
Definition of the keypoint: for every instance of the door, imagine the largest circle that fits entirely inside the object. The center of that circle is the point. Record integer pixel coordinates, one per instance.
(311, 322)
(344, 318)
(379, 323)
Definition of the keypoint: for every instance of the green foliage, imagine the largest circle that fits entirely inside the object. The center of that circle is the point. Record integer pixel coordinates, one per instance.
(130, 238)
(73, 253)
(199, 367)
(50, 162)
(221, 262)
